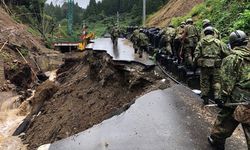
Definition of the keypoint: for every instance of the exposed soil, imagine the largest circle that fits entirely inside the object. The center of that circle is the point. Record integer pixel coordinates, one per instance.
(22, 53)
(19, 74)
(92, 88)
(174, 8)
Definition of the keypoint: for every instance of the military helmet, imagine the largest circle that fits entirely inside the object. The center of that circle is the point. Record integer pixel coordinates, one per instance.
(206, 23)
(171, 25)
(183, 23)
(238, 37)
(208, 30)
(189, 20)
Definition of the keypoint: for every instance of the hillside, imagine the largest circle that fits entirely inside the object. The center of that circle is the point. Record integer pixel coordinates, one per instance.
(21, 50)
(174, 8)
(226, 16)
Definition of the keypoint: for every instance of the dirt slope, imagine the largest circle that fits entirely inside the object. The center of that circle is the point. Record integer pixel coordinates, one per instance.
(91, 90)
(15, 38)
(173, 8)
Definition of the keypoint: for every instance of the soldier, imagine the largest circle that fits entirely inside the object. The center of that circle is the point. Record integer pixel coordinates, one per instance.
(208, 56)
(115, 33)
(235, 73)
(207, 23)
(191, 38)
(142, 43)
(134, 39)
(178, 42)
(169, 35)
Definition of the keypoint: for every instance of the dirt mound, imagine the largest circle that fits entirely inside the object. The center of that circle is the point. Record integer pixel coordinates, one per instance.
(174, 8)
(93, 88)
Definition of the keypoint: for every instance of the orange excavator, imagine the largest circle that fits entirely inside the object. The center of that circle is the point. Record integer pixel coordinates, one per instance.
(85, 38)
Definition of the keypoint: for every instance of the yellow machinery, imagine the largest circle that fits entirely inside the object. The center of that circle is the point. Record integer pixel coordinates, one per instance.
(85, 41)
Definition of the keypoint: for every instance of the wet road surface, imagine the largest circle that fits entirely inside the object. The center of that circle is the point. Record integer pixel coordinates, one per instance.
(170, 119)
(124, 51)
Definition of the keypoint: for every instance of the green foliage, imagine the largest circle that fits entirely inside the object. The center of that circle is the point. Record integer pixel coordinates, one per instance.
(24, 52)
(33, 32)
(98, 16)
(226, 15)
(243, 21)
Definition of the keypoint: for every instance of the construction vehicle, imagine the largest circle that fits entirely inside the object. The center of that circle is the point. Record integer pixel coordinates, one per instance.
(85, 41)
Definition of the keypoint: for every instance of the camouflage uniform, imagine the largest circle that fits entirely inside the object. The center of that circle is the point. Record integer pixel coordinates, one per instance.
(178, 43)
(134, 39)
(169, 35)
(115, 33)
(216, 34)
(191, 38)
(208, 55)
(142, 43)
(235, 72)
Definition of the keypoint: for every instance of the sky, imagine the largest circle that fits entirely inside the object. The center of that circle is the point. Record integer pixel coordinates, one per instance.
(82, 3)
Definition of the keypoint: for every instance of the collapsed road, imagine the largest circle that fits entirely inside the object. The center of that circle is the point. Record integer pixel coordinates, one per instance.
(90, 87)
(124, 51)
(156, 117)
(162, 119)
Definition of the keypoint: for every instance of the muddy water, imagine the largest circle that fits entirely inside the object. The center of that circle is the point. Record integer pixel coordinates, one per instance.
(51, 74)
(10, 117)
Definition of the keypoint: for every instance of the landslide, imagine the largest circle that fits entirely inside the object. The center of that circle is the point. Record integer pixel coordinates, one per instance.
(174, 8)
(22, 54)
(91, 88)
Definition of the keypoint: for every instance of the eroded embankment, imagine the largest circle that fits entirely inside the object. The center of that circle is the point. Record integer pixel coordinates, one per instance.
(91, 88)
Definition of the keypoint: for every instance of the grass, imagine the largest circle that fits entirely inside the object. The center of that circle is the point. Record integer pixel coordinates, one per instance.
(225, 15)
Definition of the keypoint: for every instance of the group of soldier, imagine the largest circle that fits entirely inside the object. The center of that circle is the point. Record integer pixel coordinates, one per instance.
(140, 41)
(225, 70)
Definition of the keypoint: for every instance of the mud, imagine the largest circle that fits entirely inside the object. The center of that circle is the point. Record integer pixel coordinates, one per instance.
(174, 8)
(19, 74)
(11, 114)
(92, 88)
(44, 92)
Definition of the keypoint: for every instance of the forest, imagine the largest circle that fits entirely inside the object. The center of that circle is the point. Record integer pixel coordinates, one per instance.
(99, 15)
(50, 21)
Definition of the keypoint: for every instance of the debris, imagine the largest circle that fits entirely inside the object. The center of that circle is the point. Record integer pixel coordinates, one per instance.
(3, 46)
(92, 88)
(44, 92)
(19, 74)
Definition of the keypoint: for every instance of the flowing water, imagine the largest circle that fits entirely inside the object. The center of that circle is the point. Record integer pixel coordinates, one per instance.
(11, 115)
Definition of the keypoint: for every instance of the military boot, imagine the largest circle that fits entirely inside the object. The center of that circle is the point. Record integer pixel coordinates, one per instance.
(140, 53)
(205, 100)
(136, 50)
(216, 144)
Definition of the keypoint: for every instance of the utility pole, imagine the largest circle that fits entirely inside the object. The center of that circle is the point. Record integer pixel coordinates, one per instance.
(144, 14)
(117, 15)
(118, 10)
(70, 16)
